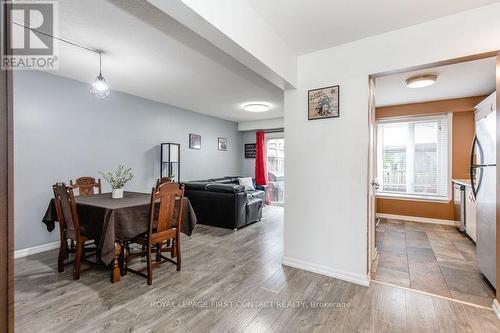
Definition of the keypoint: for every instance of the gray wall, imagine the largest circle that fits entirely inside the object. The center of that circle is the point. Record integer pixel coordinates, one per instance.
(61, 132)
(248, 164)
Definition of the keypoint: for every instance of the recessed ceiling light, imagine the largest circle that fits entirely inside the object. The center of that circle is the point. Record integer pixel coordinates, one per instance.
(256, 107)
(421, 81)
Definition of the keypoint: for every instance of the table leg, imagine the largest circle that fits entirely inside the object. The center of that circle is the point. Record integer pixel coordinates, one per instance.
(124, 257)
(115, 273)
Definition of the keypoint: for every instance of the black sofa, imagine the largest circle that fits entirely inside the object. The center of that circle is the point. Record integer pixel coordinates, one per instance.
(222, 202)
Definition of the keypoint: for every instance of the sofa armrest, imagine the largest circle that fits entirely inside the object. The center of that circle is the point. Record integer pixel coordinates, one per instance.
(261, 187)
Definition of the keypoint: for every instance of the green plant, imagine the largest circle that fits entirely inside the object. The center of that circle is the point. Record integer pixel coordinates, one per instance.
(119, 178)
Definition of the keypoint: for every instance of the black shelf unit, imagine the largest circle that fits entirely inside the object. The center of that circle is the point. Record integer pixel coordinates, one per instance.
(170, 161)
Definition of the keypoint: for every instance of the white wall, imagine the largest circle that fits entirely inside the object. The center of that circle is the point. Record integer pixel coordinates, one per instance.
(326, 197)
(264, 124)
(239, 21)
(61, 132)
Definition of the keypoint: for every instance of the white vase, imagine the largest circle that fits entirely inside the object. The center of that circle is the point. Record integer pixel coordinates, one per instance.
(117, 193)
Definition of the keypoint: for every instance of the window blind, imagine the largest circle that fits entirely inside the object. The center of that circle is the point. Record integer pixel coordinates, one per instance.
(413, 156)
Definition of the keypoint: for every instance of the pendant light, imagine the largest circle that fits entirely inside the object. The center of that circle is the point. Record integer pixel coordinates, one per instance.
(99, 87)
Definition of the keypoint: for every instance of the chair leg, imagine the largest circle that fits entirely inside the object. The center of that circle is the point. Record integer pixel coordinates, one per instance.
(150, 270)
(178, 250)
(62, 254)
(78, 256)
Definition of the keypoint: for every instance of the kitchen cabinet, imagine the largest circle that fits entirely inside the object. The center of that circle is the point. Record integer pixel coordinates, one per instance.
(470, 213)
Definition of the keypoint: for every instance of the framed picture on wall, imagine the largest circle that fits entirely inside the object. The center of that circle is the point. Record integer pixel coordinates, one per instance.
(323, 103)
(250, 150)
(223, 144)
(194, 141)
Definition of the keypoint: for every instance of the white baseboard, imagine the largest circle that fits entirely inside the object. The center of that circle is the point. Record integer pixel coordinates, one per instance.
(496, 308)
(324, 270)
(36, 249)
(418, 219)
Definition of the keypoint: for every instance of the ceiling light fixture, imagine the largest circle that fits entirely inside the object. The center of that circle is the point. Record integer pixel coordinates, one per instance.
(421, 81)
(256, 107)
(99, 87)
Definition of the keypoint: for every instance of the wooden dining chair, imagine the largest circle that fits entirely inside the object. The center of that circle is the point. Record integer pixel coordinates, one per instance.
(163, 235)
(163, 180)
(86, 185)
(69, 227)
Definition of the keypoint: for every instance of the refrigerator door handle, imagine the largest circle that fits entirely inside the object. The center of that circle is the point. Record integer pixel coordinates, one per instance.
(473, 167)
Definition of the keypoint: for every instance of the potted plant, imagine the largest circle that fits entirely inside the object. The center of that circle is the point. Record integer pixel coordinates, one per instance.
(118, 179)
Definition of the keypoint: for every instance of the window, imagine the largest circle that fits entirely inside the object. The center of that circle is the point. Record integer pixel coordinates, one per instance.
(413, 157)
(275, 169)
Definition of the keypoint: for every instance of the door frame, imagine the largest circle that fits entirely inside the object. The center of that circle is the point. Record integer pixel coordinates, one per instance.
(6, 186)
(371, 209)
(372, 176)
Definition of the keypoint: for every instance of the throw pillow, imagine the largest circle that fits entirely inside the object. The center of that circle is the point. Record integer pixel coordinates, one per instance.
(247, 182)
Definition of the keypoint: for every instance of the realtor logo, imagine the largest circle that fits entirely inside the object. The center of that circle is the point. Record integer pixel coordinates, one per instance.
(33, 25)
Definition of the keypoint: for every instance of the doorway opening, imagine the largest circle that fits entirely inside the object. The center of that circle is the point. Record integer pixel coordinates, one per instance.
(420, 160)
(275, 151)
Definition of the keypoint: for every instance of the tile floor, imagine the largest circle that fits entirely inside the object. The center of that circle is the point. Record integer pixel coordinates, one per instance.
(432, 258)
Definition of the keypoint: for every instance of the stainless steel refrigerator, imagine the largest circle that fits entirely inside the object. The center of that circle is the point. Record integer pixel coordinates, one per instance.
(483, 181)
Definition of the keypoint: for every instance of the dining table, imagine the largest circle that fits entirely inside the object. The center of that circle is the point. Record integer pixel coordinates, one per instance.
(110, 222)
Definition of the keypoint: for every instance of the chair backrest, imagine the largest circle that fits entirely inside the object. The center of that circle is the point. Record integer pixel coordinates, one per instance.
(86, 185)
(66, 208)
(163, 180)
(167, 201)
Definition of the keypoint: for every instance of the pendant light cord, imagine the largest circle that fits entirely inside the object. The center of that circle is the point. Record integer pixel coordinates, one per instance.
(59, 38)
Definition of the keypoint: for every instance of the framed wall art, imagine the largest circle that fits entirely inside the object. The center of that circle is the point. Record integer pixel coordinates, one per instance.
(194, 141)
(250, 150)
(222, 144)
(323, 103)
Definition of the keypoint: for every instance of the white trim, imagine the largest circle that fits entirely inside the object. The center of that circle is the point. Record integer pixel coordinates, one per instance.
(418, 219)
(496, 308)
(400, 196)
(328, 271)
(36, 249)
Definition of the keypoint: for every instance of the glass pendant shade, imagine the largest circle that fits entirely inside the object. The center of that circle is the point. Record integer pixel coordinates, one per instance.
(100, 88)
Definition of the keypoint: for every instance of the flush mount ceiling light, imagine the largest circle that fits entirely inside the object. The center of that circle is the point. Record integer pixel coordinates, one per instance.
(421, 81)
(99, 87)
(256, 107)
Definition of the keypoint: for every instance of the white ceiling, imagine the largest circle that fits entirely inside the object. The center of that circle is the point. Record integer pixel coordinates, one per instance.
(473, 78)
(149, 54)
(310, 25)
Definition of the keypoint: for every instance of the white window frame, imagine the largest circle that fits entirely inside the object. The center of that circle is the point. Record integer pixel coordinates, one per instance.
(413, 197)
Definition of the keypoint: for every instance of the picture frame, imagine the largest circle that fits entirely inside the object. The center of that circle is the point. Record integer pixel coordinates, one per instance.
(323, 103)
(250, 150)
(222, 144)
(195, 141)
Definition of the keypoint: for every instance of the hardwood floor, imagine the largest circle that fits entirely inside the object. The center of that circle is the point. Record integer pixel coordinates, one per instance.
(230, 282)
(432, 258)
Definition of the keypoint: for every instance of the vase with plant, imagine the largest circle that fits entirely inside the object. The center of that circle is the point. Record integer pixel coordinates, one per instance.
(117, 180)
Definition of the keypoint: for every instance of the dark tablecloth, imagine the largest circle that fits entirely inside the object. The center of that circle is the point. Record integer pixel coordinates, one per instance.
(108, 220)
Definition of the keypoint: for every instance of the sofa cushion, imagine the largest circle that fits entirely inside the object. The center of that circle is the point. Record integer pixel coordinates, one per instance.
(222, 181)
(225, 188)
(198, 185)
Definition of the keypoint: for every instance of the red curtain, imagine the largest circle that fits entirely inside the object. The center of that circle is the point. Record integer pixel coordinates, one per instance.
(260, 160)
